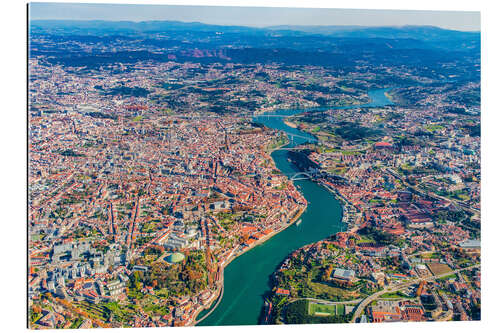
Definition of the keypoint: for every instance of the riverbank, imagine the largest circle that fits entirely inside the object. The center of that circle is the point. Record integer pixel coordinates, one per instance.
(338, 196)
(289, 124)
(235, 253)
(216, 297)
(247, 278)
(307, 107)
(231, 257)
(389, 96)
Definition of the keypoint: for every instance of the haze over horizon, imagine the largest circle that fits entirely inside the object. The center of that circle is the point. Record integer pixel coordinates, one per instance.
(261, 17)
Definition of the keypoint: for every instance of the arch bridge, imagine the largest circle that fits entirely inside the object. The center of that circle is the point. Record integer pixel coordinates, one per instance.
(302, 175)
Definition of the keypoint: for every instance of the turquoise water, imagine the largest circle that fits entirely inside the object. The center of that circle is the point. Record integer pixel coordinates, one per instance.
(246, 278)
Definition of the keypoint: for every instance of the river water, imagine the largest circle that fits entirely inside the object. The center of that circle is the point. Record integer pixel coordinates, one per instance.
(246, 278)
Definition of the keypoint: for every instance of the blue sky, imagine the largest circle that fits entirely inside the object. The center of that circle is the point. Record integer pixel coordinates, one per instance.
(256, 16)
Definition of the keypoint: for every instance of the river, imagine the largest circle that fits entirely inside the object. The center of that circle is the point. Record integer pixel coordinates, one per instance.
(246, 278)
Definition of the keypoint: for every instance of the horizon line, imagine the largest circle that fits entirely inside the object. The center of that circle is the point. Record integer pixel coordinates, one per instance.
(256, 26)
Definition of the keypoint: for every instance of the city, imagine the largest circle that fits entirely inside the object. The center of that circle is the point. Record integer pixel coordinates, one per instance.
(160, 161)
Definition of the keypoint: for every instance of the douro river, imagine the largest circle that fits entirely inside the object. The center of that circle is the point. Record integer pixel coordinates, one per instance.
(246, 279)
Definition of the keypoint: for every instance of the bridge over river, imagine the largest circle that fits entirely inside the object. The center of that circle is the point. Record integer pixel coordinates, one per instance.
(246, 278)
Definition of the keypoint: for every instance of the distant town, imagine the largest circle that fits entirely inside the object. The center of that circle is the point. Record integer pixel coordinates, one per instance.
(150, 172)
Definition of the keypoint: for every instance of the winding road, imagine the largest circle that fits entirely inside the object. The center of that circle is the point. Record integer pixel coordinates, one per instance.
(393, 288)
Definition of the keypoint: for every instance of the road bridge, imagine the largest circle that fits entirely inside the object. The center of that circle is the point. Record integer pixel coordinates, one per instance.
(291, 148)
(301, 176)
(262, 115)
(293, 135)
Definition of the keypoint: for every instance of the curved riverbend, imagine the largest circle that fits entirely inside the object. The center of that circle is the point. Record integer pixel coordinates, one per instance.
(246, 278)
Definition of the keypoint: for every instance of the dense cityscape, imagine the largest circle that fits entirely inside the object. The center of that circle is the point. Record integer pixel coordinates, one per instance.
(152, 167)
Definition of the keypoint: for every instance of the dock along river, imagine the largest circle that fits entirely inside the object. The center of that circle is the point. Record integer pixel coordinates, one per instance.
(246, 278)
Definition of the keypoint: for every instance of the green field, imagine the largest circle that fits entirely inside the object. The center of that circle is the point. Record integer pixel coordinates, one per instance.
(397, 295)
(325, 291)
(316, 309)
(448, 277)
(438, 269)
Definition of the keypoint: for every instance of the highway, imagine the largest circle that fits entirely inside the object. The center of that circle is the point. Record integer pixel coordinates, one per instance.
(325, 302)
(393, 288)
(221, 293)
(290, 149)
